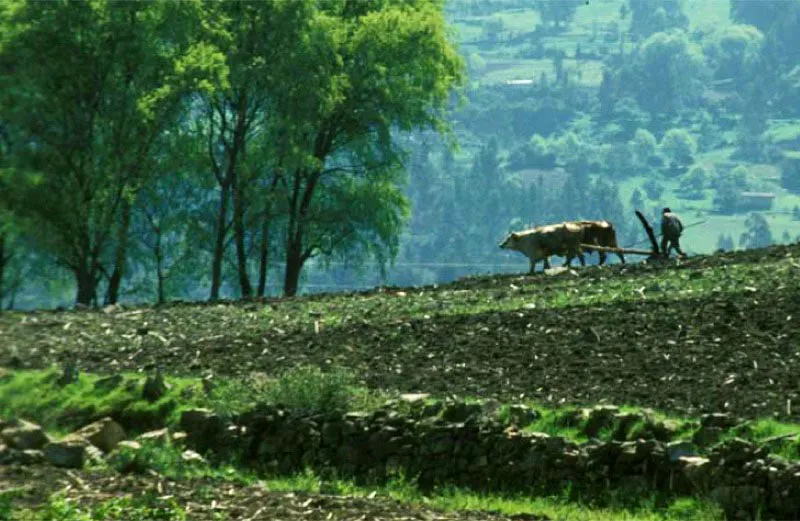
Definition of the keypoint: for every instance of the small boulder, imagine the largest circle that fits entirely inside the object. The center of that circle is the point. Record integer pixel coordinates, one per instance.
(681, 449)
(459, 412)
(720, 420)
(24, 435)
(71, 452)
(104, 434)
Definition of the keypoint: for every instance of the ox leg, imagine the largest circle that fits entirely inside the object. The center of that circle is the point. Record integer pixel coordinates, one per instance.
(621, 257)
(533, 265)
(547, 263)
(581, 258)
(602, 255)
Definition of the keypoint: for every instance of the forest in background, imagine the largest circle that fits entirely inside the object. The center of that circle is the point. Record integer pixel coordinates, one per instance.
(571, 109)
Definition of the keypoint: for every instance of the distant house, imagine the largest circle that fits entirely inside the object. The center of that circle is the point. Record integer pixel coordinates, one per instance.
(756, 200)
(519, 82)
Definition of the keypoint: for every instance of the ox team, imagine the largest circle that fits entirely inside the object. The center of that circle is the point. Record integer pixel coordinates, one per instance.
(565, 239)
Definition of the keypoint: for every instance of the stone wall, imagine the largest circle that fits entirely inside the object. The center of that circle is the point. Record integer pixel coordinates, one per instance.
(459, 446)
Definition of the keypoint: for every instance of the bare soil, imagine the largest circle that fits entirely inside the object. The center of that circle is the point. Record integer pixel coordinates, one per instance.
(720, 351)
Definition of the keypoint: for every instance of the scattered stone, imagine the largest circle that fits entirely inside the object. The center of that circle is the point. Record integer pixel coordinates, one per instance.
(24, 435)
(720, 420)
(158, 437)
(414, 398)
(104, 434)
(30, 457)
(190, 456)
(129, 445)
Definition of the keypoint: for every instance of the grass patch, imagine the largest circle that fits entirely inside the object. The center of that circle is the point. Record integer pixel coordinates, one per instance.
(452, 499)
(37, 396)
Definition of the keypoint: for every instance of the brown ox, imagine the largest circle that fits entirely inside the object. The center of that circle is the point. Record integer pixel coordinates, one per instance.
(600, 233)
(554, 239)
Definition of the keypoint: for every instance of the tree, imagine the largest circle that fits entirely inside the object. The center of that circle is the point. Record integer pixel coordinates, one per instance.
(535, 153)
(679, 147)
(368, 69)
(725, 243)
(572, 152)
(694, 182)
(87, 88)
(667, 74)
(258, 38)
(728, 196)
(557, 13)
(166, 225)
(734, 50)
(653, 16)
(644, 147)
(758, 234)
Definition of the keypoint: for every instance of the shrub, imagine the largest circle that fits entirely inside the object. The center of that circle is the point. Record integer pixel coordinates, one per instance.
(309, 389)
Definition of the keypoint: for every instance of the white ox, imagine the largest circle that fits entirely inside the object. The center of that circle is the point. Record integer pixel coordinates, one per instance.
(553, 239)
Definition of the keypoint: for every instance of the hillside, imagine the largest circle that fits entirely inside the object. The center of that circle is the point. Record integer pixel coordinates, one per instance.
(711, 333)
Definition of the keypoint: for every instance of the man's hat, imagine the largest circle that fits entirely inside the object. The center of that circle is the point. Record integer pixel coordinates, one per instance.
(666, 210)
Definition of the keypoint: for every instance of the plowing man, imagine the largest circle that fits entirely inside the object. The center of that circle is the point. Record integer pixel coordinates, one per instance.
(671, 230)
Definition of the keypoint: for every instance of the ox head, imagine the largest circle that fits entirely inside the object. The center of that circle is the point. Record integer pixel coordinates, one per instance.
(510, 242)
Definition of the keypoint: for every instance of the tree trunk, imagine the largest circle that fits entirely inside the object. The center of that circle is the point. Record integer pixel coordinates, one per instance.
(237, 155)
(219, 245)
(238, 234)
(294, 265)
(86, 284)
(159, 268)
(112, 294)
(263, 256)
